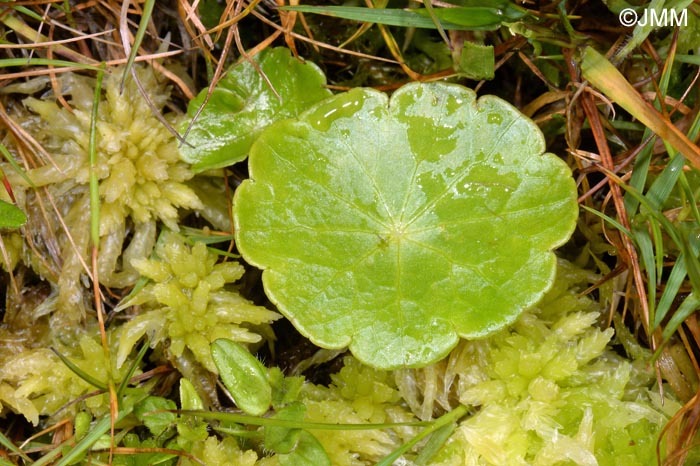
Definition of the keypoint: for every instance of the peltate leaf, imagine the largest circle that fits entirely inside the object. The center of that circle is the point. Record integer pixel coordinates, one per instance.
(244, 103)
(395, 227)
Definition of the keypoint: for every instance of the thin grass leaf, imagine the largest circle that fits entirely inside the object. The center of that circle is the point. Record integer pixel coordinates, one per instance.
(640, 173)
(98, 430)
(689, 305)
(138, 38)
(434, 444)
(449, 418)
(13, 163)
(691, 202)
(663, 185)
(50, 457)
(27, 12)
(132, 368)
(11, 447)
(223, 253)
(645, 246)
(387, 17)
(197, 235)
(292, 424)
(658, 249)
(79, 372)
(608, 219)
(689, 59)
(126, 300)
(8, 62)
(646, 250)
(673, 284)
(692, 265)
(431, 13)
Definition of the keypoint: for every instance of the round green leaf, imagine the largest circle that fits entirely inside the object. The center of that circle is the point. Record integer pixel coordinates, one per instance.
(244, 103)
(395, 227)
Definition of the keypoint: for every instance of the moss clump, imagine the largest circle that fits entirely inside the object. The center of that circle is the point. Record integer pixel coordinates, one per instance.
(35, 382)
(189, 304)
(141, 179)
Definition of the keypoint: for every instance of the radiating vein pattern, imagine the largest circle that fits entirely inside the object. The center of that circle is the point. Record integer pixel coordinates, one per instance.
(398, 226)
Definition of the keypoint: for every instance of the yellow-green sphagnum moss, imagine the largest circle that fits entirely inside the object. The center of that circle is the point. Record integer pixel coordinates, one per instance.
(141, 178)
(188, 304)
(37, 383)
(140, 173)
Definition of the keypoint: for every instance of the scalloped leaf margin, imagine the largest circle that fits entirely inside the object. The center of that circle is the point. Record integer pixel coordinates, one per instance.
(398, 226)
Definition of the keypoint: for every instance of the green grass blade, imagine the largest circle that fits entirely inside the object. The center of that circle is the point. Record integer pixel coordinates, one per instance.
(449, 418)
(138, 38)
(132, 368)
(11, 447)
(673, 284)
(689, 59)
(49, 457)
(608, 219)
(27, 12)
(101, 428)
(658, 248)
(434, 444)
(79, 372)
(8, 62)
(388, 17)
(13, 163)
(640, 173)
(662, 186)
(646, 251)
(689, 305)
(691, 263)
(436, 21)
(291, 424)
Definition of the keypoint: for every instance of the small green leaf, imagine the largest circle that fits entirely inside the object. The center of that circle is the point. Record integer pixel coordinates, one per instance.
(308, 452)
(283, 439)
(243, 375)
(190, 428)
(156, 422)
(285, 390)
(395, 227)
(11, 216)
(189, 398)
(475, 61)
(243, 104)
